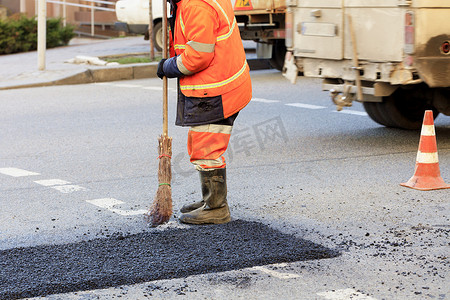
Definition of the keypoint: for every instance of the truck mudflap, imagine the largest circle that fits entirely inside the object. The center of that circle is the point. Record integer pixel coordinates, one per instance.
(290, 69)
(432, 61)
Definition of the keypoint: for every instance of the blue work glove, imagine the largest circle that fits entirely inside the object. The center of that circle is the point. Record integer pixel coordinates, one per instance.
(170, 68)
(160, 71)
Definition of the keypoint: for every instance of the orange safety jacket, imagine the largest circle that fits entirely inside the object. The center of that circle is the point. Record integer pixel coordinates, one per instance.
(211, 57)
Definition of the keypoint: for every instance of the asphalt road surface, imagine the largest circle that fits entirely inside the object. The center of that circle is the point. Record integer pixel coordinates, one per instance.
(318, 212)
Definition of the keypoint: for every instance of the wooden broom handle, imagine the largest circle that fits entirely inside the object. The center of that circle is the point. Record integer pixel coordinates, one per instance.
(165, 55)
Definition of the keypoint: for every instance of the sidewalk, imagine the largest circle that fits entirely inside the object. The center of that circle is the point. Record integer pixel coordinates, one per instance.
(21, 70)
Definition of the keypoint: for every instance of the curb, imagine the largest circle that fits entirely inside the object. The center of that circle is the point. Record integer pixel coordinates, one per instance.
(128, 72)
(125, 72)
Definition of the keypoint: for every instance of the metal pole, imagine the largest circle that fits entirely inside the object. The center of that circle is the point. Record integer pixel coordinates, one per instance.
(64, 13)
(23, 6)
(42, 34)
(92, 19)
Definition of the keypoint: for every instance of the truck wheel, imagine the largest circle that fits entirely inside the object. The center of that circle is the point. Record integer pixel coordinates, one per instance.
(278, 54)
(377, 114)
(158, 36)
(406, 108)
(384, 114)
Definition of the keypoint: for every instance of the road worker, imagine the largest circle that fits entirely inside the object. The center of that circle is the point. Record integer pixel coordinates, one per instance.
(208, 58)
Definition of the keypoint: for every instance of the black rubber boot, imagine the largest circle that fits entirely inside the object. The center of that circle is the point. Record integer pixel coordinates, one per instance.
(190, 207)
(215, 207)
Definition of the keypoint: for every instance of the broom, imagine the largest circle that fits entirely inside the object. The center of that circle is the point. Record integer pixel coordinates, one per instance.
(161, 209)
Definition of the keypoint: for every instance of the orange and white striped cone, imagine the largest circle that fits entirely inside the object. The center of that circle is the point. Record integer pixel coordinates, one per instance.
(427, 175)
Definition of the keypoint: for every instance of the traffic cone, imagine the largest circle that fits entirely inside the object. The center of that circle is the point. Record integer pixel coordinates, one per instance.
(427, 175)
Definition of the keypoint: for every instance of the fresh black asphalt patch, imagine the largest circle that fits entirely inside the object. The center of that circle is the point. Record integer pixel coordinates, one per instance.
(148, 256)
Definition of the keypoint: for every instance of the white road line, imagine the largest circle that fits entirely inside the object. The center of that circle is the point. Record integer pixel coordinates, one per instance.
(344, 294)
(276, 274)
(105, 202)
(351, 112)
(17, 172)
(103, 83)
(69, 188)
(264, 100)
(124, 85)
(153, 88)
(157, 88)
(309, 106)
(51, 182)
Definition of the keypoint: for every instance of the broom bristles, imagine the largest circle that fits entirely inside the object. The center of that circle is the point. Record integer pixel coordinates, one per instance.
(161, 209)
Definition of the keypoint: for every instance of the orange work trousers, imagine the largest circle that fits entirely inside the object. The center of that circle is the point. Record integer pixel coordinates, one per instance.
(207, 144)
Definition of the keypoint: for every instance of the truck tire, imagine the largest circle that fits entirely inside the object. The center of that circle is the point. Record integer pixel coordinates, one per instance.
(377, 113)
(406, 108)
(384, 114)
(158, 36)
(278, 54)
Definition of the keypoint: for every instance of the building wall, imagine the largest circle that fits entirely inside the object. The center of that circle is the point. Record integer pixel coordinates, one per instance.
(12, 6)
(56, 10)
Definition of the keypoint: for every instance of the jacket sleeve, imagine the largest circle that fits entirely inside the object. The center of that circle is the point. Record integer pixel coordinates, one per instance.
(200, 28)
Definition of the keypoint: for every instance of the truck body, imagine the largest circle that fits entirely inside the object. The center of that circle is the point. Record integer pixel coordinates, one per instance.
(392, 55)
(258, 20)
(134, 16)
(263, 21)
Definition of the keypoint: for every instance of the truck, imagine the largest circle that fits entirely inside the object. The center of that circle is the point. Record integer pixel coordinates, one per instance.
(261, 21)
(133, 17)
(391, 55)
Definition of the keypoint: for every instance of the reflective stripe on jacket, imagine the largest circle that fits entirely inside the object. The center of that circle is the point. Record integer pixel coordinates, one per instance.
(209, 49)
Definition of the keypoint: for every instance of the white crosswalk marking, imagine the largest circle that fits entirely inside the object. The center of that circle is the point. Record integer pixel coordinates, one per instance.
(51, 182)
(109, 203)
(61, 185)
(69, 188)
(15, 172)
